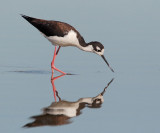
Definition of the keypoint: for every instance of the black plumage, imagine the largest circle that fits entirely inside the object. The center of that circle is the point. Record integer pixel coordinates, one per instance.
(53, 28)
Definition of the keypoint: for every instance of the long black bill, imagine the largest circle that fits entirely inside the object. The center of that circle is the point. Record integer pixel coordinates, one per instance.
(107, 62)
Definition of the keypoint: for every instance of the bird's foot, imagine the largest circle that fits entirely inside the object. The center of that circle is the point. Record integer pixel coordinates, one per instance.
(54, 68)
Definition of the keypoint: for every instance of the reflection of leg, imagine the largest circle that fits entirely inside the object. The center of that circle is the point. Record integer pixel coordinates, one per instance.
(58, 96)
(52, 63)
(54, 88)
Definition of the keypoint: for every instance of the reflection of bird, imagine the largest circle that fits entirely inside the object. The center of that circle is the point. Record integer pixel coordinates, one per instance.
(62, 35)
(60, 113)
(72, 109)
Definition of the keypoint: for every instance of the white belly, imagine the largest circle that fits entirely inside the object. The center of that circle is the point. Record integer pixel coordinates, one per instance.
(68, 40)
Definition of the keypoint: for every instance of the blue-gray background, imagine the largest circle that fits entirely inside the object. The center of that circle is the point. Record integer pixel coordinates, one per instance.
(130, 32)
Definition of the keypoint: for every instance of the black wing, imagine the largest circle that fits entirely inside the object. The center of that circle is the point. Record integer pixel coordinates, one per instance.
(53, 28)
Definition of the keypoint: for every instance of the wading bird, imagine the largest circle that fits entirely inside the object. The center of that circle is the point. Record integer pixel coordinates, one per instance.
(62, 34)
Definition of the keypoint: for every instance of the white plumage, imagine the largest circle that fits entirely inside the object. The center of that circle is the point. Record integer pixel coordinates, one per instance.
(68, 40)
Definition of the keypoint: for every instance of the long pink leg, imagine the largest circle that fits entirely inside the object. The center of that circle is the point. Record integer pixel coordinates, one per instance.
(54, 56)
(52, 63)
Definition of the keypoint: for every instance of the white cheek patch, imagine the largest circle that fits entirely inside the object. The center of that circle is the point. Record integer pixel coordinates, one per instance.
(98, 48)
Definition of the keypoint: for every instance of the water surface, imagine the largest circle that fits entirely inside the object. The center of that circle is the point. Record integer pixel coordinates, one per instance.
(130, 33)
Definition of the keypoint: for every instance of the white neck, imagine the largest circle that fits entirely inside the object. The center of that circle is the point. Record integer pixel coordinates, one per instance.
(88, 48)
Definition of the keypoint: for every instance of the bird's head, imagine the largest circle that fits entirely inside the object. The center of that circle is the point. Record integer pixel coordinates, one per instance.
(98, 48)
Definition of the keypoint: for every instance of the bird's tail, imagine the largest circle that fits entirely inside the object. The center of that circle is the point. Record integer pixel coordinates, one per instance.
(29, 19)
(40, 24)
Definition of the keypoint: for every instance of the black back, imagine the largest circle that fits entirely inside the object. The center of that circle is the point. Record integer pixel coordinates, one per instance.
(53, 28)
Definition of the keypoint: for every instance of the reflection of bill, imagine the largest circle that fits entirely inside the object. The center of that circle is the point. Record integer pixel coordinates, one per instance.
(59, 113)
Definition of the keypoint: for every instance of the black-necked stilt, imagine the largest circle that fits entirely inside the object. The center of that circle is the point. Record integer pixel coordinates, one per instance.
(63, 34)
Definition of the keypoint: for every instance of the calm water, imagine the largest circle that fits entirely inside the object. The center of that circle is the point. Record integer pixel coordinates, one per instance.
(130, 32)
